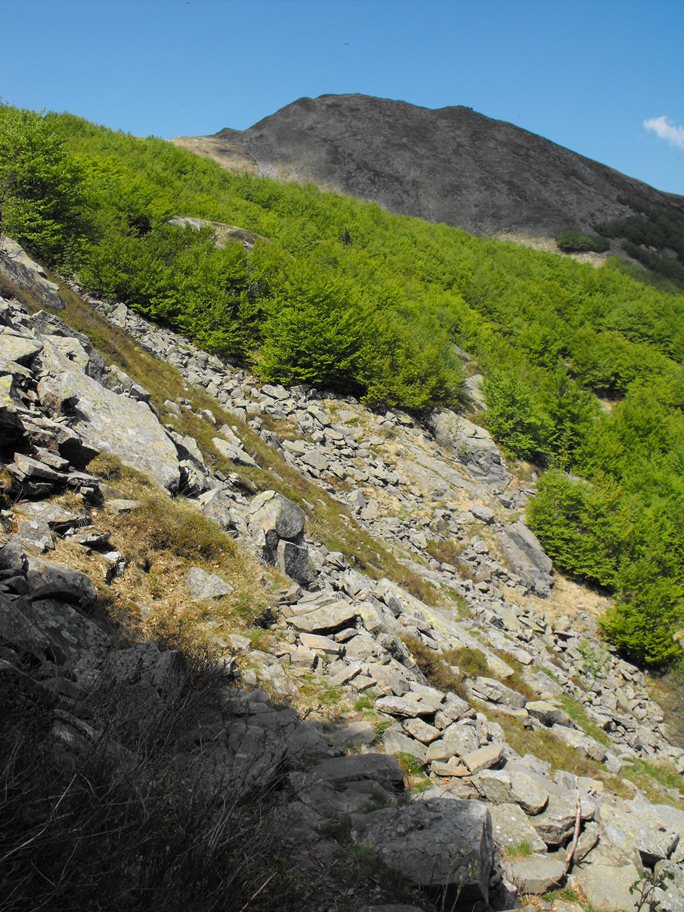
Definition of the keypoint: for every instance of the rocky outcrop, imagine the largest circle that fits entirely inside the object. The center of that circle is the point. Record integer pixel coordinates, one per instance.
(28, 275)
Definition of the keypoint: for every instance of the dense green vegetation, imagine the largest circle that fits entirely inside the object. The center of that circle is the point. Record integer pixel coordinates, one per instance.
(583, 366)
(577, 242)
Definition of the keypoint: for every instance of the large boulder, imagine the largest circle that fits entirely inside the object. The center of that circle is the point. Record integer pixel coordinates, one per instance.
(433, 843)
(25, 273)
(472, 445)
(526, 558)
(277, 526)
(273, 517)
(116, 424)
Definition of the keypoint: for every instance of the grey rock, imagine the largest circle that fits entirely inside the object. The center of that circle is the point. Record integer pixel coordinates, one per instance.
(580, 741)
(52, 514)
(327, 618)
(484, 757)
(203, 585)
(607, 887)
(556, 823)
(16, 347)
(217, 507)
(273, 517)
(48, 580)
(17, 265)
(495, 692)
(471, 444)
(547, 713)
(236, 454)
(535, 875)
(404, 707)
(293, 560)
(395, 742)
(376, 767)
(526, 558)
(433, 843)
(117, 424)
(503, 786)
(456, 741)
(511, 828)
(655, 845)
(35, 536)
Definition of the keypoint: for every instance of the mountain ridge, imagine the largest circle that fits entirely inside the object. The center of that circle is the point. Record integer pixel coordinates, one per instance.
(502, 179)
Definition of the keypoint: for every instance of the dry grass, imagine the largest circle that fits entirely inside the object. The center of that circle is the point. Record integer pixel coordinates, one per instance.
(438, 667)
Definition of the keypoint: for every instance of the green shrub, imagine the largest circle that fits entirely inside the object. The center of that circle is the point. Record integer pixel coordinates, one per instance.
(577, 242)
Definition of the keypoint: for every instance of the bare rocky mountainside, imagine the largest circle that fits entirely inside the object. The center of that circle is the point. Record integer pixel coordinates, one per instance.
(417, 704)
(449, 165)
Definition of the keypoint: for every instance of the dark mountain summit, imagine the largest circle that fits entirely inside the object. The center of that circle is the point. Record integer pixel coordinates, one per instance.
(448, 165)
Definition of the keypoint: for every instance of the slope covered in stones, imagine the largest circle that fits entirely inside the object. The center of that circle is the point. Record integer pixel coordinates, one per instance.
(405, 679)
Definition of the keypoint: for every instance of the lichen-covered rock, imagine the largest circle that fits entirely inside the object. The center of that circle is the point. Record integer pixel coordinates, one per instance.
(117, 424)
(472, 445)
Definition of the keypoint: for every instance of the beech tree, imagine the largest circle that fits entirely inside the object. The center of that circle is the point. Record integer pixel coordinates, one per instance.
(40, 194)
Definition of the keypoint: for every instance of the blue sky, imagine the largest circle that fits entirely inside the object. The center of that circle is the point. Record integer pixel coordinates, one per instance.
(586, 74)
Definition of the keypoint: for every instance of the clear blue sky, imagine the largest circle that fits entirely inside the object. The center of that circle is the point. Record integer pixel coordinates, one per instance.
(584, 73)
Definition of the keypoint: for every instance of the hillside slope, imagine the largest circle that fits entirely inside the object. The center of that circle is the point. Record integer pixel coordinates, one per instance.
(450, 165)
(421, 625)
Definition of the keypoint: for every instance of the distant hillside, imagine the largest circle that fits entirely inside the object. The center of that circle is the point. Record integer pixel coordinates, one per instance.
(449, 165)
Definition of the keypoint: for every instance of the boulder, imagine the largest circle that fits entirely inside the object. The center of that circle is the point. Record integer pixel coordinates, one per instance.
(294, 561)
(24, 272)
(117, 424)
(18, 348)
(433, 843)
(548, 713)
(580, 741)
(512, 829)
(203, 585)
(53, 581)
(606, 887)
(235, 453)
(272, 517)
(556, 823)
(526, 558)
(472, 445)
(503, 786)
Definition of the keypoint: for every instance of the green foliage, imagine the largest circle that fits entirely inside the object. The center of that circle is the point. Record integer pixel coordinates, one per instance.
(40, 194)
(577, 242)
(515, 416)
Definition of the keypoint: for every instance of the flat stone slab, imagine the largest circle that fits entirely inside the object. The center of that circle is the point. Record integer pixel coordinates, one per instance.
(117, 424)
(203, 585)
(484, 757)
(535, 874)
(329, 617)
